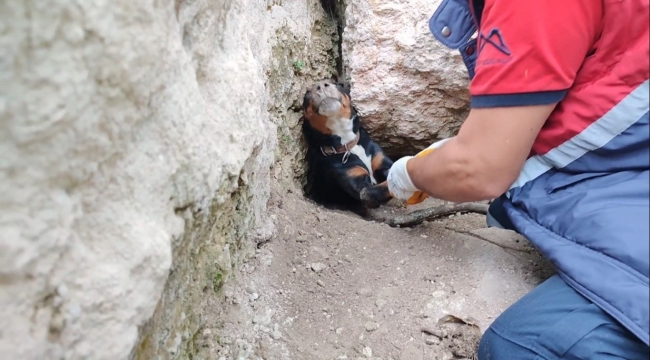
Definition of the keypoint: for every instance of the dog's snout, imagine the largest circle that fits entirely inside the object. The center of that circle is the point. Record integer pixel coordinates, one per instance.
(320, 87)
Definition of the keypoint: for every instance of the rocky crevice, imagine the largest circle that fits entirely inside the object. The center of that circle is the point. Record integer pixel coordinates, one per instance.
(217, 244)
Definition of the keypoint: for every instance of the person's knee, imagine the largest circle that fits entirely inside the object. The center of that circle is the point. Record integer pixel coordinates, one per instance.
(495, 347)
(497, 216)
(492, 346)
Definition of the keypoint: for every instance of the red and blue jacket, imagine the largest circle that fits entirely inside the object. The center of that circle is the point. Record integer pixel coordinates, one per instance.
(582, 197)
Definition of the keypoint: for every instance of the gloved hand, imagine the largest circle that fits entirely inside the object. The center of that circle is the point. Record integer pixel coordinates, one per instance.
(400, 185)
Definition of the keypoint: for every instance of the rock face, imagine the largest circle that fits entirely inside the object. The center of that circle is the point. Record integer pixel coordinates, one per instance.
(137, 143)
(409, 89)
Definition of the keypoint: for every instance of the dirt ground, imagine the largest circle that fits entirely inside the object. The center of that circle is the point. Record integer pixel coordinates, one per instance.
(331, 285)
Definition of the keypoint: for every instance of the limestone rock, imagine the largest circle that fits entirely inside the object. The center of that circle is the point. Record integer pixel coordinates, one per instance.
(409, 89)
(137, 143)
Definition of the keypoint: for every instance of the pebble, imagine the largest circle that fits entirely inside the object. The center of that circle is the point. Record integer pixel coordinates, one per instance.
(276, 335)
(380, 303)
(262, 319)
(254, 296)
(371, 326)
(318, 267)
(320, 283)
(432, 340)
(367, 352)
(207, 332)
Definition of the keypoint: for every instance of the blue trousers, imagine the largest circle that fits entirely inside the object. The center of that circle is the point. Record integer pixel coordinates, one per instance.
(554, 321)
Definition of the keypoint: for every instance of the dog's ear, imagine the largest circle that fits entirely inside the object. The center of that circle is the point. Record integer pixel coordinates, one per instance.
(344, 88)
(306, 100)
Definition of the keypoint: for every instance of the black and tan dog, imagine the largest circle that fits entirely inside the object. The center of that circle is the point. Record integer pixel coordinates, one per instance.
(346, 167)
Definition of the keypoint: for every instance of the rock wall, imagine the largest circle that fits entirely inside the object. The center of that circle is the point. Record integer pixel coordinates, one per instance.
(138, 142)
(409, 89)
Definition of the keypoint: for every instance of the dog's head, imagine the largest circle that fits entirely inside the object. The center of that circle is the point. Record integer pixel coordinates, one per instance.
(326, 100)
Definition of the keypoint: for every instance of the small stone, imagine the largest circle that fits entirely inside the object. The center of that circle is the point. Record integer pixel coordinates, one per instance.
(254, 296)
(432, 340)
(207, 332)
(319, 235)
(367, 352)
(380, 303)
(320, 283)
(276, 335)
(318, 267)
(339, 331)
(262, 319)
(371, 326)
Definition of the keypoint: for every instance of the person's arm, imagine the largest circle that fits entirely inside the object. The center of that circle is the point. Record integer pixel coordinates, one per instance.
(528, 56)
(484, 159)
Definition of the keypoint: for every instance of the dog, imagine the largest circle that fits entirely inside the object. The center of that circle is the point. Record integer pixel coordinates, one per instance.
(346, 168)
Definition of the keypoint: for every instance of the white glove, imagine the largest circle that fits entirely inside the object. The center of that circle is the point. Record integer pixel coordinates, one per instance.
(399, 181)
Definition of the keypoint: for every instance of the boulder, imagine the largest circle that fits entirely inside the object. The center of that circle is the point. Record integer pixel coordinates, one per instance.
(409, 89)
(138, 143)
